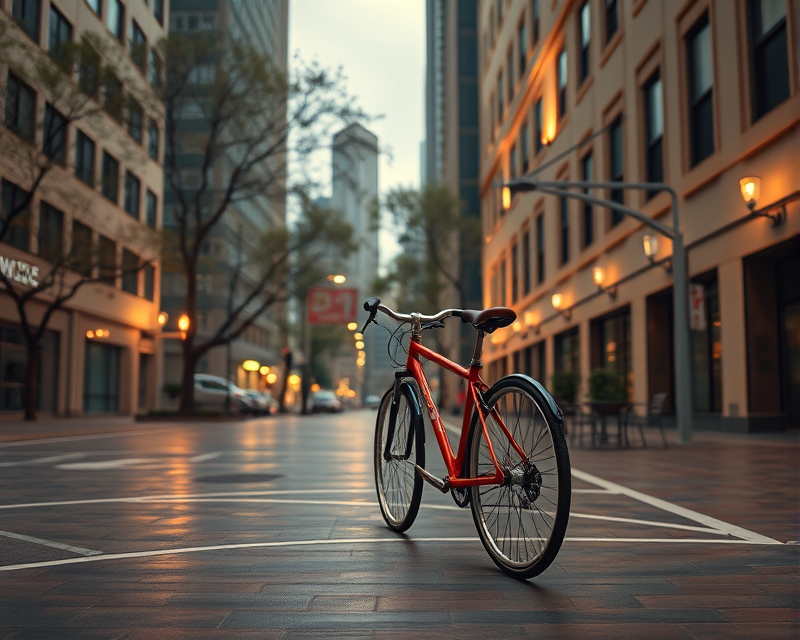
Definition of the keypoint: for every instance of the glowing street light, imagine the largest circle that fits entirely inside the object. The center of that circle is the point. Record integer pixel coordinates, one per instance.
(163, 316)
(183, 322)
(352, 326)
(337, 279)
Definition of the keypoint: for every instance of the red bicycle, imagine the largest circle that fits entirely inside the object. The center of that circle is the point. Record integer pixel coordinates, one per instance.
(511, 467)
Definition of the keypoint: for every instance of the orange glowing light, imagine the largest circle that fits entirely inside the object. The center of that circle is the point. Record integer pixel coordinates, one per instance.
(272, 378)
(352, 326)
(506, 198)
(90, 334)
(183, 322)
(315, 387)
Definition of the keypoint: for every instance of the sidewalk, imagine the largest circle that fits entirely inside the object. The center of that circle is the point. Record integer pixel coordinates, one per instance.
(17, 429)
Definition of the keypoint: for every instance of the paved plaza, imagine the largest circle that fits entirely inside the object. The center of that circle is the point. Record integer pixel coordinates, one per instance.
(269, 528)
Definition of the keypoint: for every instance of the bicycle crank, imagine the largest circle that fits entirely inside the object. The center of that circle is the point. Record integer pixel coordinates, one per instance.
(432, 480)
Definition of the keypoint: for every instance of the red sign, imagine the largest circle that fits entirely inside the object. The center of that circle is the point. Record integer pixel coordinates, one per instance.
(698, 310)
(332, 306)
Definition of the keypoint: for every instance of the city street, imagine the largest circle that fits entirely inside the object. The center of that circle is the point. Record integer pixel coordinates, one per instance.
(269, 528)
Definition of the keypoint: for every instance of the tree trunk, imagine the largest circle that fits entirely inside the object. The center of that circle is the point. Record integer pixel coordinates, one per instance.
(31, 376)
(287, 369)
(187, 380)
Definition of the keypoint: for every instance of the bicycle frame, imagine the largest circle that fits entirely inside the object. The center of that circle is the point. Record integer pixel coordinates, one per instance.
(473, 400)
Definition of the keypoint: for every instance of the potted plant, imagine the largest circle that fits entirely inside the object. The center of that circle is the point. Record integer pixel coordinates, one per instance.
(607, 386)
(564, 386)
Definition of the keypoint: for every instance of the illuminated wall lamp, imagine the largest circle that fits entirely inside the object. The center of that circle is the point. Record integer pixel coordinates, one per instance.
(599, 275)
(558, 301)
(530, 321)
(650, 244)
(750, 188)
(251, 365)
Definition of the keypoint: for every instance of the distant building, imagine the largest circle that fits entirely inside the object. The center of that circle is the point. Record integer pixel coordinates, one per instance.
(263, 24)
(695, 94)
(104, 189)
(451, 144)
(355, 188)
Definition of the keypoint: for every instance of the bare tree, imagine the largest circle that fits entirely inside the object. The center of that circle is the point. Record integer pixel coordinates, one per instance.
(34, 145)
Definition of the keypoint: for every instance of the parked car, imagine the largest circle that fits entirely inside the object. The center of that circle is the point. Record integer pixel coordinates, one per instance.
(263, 404)
(211, 392)
(372, 402)
(325, 401)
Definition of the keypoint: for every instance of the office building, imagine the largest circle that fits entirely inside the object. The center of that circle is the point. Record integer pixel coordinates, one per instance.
(698, 95)
(100, 140)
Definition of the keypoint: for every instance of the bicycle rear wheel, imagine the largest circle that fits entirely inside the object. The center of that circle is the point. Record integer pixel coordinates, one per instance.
(398, 485)
(522, 521)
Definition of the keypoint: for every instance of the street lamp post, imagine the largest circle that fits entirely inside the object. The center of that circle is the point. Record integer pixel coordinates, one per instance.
(683, 390)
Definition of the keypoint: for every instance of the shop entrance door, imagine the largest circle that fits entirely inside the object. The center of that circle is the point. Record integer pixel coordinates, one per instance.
(101, 378)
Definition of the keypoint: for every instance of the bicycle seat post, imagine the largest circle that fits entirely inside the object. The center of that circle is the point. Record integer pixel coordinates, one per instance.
(476, 355)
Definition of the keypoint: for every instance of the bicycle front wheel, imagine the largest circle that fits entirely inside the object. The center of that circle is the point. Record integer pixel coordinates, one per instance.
(399, 486)
(522, 521)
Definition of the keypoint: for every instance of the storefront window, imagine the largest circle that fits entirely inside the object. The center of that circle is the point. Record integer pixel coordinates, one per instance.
(13, 363)
(568, 351)
(611, 337)
(706, 346)
(101, 378)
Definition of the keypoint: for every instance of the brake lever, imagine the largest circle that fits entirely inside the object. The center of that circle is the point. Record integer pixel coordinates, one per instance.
(438, 324)
(371, 319)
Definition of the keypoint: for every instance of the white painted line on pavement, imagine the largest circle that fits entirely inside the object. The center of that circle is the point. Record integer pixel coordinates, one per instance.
(50, 543)
(344, 541)
(103, 465)
(203, 457)
(49, 459)
(658, 503)
(93, 436)
(179, 496)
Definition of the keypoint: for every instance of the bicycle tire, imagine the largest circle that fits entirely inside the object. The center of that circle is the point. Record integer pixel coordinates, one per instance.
(521, 522)
(398, 485)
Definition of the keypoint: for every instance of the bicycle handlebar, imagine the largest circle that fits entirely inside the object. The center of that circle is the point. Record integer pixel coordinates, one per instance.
(374, 304)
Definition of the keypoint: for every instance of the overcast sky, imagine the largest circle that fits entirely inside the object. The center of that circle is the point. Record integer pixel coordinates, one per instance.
(381, 46)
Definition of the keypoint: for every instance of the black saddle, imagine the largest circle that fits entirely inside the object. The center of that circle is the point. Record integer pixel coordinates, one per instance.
(489, 319)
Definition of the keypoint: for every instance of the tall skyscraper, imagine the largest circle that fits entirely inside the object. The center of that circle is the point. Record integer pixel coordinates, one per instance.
(264, 25)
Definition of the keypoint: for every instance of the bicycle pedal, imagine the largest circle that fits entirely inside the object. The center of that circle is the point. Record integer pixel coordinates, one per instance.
(432, 480)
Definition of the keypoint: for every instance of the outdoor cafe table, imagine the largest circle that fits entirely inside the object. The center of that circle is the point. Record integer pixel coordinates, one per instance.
(603, 409)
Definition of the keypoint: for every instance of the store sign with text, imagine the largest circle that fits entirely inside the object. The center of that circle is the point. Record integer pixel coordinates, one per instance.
(332, 306)
(18, 271)
(698, 309)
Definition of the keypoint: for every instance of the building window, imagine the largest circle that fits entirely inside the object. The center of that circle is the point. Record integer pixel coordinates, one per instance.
(135, 120)
(26, 14)
(585, 37)
(612, 19)
(113, 97)
(130, 272)
(20, 107)
(138, 45)
(133, 188)
(54, 143)
(51, 233)
(615, 167)
(515, 273)
(107, 260)
(769, 56)
(522, 36)
(115, 19)
(535, 21)
(567, 351)
(16, 213)
(82, 250)
(95, 6)
(564, 210)
(60, 36)
(701, 83)
(562, 83)
(158, 11)
(611, 342)
(151, 207)
(84, 159)
(512, 161)
(89, 70)
(154, 69)
(526, 152)
(152, 140)
(588, 210)
(540, 248)
(539, 120)
(500, 107)
(526, 262)
(110, 184)
(503, 287)
(654, 130)
(510, 74)
(149, 273)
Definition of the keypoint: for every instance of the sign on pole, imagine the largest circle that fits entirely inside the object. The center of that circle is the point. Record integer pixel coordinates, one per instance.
(332, 306)
(698, 310)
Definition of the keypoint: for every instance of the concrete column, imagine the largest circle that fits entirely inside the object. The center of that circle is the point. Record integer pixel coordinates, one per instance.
(732, 334)
(585, 338)
(639, 348)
